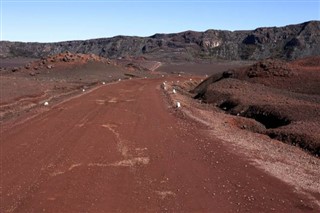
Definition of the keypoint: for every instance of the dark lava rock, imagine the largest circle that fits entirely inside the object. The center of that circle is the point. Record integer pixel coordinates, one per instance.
(227, 74)
(288, 42)
(15, 69)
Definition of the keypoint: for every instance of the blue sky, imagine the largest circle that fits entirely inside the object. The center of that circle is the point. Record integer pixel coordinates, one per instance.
(58, 20)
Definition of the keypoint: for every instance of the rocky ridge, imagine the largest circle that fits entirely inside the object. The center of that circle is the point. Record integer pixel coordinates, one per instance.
(288, 42)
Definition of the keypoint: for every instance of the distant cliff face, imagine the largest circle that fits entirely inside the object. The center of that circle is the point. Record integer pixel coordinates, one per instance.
(289, 42)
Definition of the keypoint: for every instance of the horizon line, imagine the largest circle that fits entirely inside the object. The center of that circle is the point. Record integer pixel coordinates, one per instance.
(147, 36)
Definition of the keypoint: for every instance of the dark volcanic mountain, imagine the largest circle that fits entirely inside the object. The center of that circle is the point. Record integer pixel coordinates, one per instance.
(289, 42)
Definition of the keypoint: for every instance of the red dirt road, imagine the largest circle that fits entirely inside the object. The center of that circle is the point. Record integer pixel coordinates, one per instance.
(120, 148)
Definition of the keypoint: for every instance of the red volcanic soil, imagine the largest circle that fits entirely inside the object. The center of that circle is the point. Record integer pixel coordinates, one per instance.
(104, 145)
(283, 97)
(309, 62)
(123, 148)
(50, 79)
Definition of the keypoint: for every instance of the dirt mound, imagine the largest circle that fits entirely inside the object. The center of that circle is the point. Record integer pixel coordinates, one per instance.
(281, 96)
(68, 60)
(268, 68)
(25, 88)
(62, 60)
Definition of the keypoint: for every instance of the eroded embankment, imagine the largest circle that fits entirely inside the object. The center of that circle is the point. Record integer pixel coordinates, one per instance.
(288, 163)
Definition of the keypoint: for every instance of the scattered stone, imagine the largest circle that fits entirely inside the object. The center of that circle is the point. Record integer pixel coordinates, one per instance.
(28, 66)
(228, 74)
(163, 85)
(50, 66)
(65, 59)
(15, 69)
(244, 127)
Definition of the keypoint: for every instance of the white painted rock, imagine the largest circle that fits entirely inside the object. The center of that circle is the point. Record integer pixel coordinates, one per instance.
(119, 79)
(103, 82)
(178, 105)
(46, 103)
(83, 90)
(163, 85)
(174, 91)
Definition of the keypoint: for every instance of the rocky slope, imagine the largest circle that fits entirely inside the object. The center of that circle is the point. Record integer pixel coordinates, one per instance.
(288, 42)
(283, 97)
